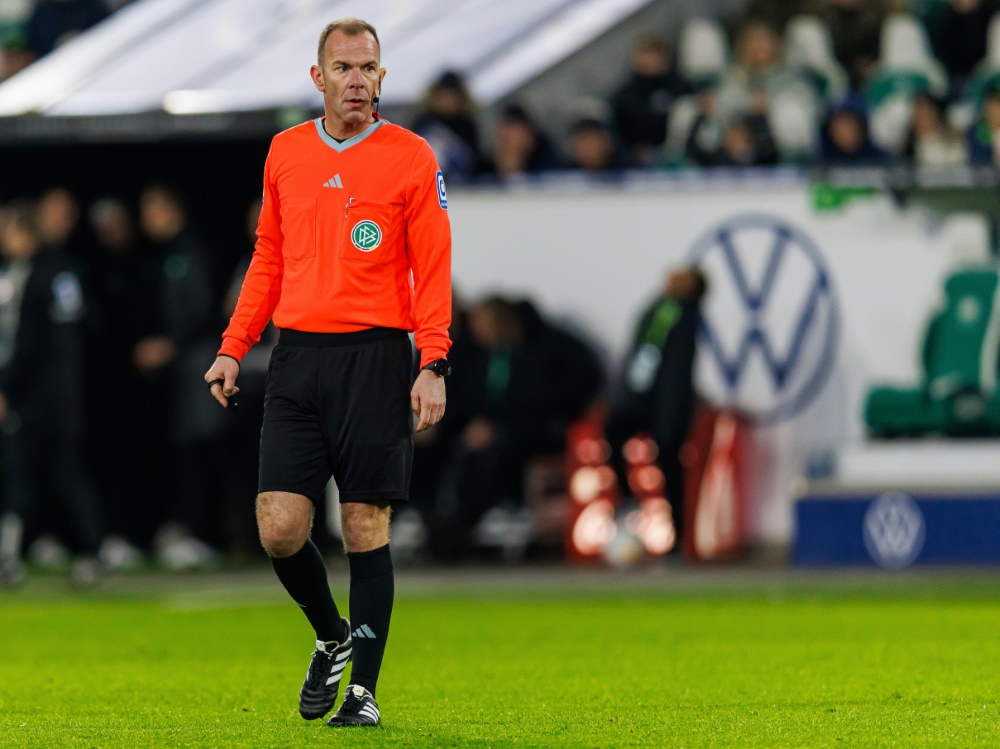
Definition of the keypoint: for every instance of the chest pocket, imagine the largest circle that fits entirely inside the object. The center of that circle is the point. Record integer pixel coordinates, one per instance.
(372, 232)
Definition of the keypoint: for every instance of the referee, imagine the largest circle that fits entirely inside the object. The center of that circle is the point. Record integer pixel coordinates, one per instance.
(353, 250)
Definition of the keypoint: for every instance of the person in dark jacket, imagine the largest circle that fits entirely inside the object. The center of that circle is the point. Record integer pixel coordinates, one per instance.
(448, 123)
(845, 140)
(180, 321)
(657, 394)
(642, 105)
(534, 381)
(42, 395)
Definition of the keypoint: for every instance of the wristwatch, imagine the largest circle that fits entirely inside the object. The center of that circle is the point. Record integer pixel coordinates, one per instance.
(440, 367)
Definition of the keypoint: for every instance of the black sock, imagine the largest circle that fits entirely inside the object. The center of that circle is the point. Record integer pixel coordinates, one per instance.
(304, 576)
(372, 590)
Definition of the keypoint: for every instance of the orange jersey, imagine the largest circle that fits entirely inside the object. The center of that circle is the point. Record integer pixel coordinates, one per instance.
(352, 235)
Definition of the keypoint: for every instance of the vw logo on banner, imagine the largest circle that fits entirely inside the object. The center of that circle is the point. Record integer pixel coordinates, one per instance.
(770, 321)
(894, 530)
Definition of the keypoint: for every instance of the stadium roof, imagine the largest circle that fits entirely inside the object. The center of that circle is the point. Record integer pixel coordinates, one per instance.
(204, 57)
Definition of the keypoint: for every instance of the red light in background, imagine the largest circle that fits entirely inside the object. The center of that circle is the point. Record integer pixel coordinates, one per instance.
(594, 527)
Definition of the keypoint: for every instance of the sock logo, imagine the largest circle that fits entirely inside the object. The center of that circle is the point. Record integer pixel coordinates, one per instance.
(364, 631)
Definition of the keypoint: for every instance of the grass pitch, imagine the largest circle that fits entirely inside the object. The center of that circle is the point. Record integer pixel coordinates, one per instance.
(511, 661)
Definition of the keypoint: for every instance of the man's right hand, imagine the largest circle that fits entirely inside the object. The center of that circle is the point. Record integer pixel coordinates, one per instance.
(225, 368)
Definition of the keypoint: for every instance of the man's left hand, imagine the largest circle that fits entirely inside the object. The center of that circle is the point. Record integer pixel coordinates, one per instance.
(427, 399)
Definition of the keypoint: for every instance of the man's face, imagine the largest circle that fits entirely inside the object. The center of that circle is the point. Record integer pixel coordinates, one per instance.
(350, 77)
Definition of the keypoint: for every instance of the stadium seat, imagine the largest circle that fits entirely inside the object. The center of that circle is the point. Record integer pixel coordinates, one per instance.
(906, 66)
(702, 51)
(793, 119)
(958, 395)
(808, 48)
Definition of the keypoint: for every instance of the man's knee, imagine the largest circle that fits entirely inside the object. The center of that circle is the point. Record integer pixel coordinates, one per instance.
(365, 526)
(284, 521)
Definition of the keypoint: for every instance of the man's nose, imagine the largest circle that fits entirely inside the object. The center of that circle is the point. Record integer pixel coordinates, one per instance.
(356, 80)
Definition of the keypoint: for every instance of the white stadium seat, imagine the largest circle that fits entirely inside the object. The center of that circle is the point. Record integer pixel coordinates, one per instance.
(808, 47)
(703, 51)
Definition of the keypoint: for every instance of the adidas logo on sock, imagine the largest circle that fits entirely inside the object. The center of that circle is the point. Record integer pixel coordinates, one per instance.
(364, 631)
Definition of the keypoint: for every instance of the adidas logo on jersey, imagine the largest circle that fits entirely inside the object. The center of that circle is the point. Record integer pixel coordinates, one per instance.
(364, 631)
(334, 181)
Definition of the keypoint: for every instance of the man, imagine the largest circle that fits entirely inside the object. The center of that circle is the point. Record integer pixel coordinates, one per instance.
(42, 395)
(353, 249)
(657, 390)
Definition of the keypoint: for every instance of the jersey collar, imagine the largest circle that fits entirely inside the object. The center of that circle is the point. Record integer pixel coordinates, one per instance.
(352, 141)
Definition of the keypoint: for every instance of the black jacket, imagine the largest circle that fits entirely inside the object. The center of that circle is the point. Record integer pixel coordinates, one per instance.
(42, 311)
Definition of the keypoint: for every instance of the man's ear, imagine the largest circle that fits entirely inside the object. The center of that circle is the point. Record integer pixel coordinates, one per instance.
(317, 77)
(381, 77)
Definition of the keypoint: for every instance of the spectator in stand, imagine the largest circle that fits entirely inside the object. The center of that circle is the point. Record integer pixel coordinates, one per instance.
(537, 379)
(845, 138)
(642, 105)
(448, 124)
(54, 22)
(958, 31)
(521, 148)
(776, 13)
(592, 148)
(983, 138)
(856, 31)
(180, 325)
(757, 74)
(115, 434)
(745, 140)
(932, 141)
(42, 396)
(657, 392)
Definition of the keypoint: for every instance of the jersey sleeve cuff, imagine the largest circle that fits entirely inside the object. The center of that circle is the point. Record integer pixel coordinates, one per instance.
(232, 347)
(433, 354)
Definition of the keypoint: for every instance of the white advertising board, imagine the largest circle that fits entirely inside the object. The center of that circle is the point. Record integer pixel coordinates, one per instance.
(805, 311)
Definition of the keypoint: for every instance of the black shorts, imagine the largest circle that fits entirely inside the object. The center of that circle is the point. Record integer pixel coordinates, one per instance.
(338, 404)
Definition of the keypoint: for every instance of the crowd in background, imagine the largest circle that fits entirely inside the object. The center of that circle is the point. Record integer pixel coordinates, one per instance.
(828, 82)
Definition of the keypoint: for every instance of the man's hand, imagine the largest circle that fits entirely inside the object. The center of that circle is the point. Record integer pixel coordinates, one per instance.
(225, 368)
(427, 399)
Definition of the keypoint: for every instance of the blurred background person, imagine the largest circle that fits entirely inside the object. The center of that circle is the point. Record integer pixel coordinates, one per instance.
(932, 141)
(59, 224)
(115, 435)
(845, 139)
(592, 148)
(520, 147)
(538, 378)
(983, 138)
(642, 104)
(448, 124)
(856, 32)
(177, 334)
(656, 393)
(42, 397)
(958, 33)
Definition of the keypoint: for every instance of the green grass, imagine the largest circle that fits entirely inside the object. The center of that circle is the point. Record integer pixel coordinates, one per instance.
(805, 665)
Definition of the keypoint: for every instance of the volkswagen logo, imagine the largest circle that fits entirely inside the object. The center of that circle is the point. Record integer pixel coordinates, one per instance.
(770, 323)
(894, 530)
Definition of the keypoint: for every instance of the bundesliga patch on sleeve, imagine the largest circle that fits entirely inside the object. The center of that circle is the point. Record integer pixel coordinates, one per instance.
(442, 192)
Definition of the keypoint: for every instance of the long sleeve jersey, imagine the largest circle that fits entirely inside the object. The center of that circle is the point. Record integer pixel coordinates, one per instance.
(352, 235)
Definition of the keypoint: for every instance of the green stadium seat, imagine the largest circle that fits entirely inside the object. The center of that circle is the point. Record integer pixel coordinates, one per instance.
(958, 395)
